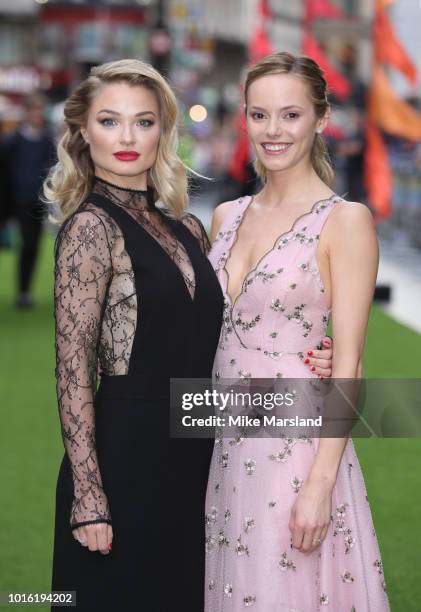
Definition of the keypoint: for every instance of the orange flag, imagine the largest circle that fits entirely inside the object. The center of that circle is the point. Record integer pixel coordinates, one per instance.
(377, 174)
(388, 49)
(383, 4)
(391, 114)
(386, 111)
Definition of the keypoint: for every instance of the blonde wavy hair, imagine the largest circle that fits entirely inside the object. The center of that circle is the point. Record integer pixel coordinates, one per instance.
(308, 70)
(70, 180)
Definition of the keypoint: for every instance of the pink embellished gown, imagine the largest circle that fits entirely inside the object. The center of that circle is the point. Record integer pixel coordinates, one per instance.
(279, 315)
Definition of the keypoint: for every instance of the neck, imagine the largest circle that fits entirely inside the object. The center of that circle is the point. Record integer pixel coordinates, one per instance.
(127, 197)
(137, 183)
(296, 184)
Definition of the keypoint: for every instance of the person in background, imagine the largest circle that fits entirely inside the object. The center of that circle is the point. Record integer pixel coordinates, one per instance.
(27, 155)
(352, 149)
(5, 207)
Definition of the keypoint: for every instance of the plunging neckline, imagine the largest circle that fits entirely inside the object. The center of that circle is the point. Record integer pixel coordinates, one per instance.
(265, 254)
(172, 230)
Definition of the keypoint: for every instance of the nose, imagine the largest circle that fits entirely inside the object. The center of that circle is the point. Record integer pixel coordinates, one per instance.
(127, 134)
(274, 127)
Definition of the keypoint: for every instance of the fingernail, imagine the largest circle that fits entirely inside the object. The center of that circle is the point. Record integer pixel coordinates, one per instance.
(312, 368)
(310, 353)
(307, 360)
(321, 377)
(110, 546)
(327, 342)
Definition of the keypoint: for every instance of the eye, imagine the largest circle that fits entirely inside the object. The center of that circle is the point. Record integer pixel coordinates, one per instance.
(146, 122)
(106, 121)
(257, 115)
(292, 115)
(109, 122)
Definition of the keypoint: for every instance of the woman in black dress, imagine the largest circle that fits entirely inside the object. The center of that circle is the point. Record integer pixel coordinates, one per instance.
(135, 292)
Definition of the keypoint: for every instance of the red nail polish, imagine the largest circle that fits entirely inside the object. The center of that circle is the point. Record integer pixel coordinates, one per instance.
(312, 368)
(321, 377)
(310, 353)
(307, 360)
(110, 546)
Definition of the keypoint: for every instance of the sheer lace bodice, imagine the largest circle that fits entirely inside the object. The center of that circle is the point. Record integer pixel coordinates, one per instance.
(96, 312)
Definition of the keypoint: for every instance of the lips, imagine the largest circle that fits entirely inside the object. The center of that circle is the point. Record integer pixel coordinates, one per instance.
(276, 148)
(127, 155)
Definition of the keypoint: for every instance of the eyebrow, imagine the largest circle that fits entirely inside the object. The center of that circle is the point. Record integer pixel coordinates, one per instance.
(282, 109)
(111, 112)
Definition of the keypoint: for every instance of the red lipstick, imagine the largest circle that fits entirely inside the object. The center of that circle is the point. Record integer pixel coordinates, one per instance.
(126, 155)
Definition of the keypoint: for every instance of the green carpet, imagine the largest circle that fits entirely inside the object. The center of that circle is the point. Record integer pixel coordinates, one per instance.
(31, 447)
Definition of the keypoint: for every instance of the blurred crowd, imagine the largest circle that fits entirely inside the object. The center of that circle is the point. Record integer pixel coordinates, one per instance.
(205, 71)
(211, 149)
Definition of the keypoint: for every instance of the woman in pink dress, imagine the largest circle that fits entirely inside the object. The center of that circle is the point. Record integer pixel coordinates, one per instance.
(289, 527)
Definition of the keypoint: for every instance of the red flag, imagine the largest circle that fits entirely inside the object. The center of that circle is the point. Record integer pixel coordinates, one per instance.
(260, 44)
(338, 84)
(241, 153)
(388, 49)
(322, 9)
(264, 9)
(377, 173)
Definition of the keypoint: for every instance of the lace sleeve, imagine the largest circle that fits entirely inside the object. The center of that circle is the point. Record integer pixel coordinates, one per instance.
(82, 273)
(196, 227)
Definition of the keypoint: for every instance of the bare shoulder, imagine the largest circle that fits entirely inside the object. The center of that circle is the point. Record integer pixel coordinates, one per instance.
(350, 230)
(348, 221)
(351, 215)
(221, 210)
(219, 216)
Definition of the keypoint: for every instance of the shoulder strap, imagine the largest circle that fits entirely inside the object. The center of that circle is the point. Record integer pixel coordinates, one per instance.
(322, 213)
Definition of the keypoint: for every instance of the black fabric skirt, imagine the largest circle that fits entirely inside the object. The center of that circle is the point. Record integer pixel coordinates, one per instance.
(156, 488)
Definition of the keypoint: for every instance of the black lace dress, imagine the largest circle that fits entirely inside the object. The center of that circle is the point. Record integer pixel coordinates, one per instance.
(134, 293)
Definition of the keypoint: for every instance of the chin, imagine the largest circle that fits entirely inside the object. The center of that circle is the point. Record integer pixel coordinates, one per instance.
(276, 165)
(129, 171)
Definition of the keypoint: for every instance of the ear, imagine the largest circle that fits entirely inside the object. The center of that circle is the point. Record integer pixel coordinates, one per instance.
(84, 134)
(323, 121)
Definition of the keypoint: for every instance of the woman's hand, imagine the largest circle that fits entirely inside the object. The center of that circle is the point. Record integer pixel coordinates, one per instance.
(98, 536)
(320, 361)
(310, 514)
